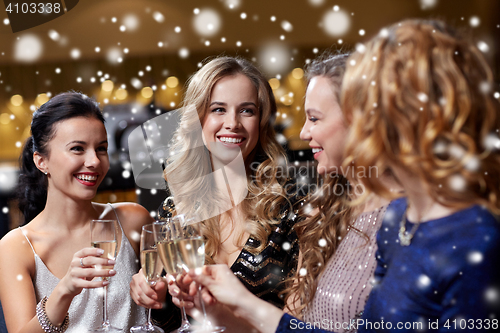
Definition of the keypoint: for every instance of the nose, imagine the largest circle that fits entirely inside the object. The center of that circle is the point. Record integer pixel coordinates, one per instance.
(305, 133)
(92, 160)
(232, 120)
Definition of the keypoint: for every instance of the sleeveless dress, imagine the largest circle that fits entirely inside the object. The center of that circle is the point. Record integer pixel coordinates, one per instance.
(85, 311)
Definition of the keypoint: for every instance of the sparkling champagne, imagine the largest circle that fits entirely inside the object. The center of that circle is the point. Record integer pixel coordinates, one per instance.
(168, 256)
(191, 252)
(149, 264)
(109, 248)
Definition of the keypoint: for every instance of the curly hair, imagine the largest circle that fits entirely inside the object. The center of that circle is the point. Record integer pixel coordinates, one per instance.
(265, 196)
(419, 98)
(334, 215)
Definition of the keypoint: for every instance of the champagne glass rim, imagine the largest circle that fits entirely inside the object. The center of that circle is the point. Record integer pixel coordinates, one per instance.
(107, 220)
(148, 228)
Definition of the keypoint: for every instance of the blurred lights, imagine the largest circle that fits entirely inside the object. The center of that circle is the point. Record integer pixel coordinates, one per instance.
(42, 99)
(147, 92)
(172, 82)
(298, 73)
(274, 83)
(16, 100)
(107, 86)
(121, 94)
(4, 119)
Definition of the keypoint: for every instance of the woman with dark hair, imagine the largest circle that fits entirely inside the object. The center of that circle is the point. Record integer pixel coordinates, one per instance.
(48, 260)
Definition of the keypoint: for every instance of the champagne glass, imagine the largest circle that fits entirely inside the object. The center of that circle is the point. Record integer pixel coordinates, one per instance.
(103, 235)
(151, 267)
(191, 250)
(167, 233)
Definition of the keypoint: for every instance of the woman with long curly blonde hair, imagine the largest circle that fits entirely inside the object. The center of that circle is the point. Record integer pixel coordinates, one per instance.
(227, 112)
(338, 238)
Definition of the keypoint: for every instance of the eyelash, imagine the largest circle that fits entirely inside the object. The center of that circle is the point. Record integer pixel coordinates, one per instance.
(80, 149)
(312, 119)
(251, 111)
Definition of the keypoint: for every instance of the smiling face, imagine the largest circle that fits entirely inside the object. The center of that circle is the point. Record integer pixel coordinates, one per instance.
(77, 158)
(324, 128)
(231, 122)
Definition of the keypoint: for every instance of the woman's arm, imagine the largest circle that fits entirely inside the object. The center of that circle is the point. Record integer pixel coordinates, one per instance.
(225, 288)
(17, 293)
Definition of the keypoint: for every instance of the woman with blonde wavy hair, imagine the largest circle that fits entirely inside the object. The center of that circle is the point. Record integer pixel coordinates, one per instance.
(419, 101)
(227, 112)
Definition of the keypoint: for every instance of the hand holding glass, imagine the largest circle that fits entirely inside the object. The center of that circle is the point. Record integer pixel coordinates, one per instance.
(151, 268)
(103, 235)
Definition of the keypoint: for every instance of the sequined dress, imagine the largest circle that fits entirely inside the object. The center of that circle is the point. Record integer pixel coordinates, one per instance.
(85, 311)
(446, 280)
(344, 285)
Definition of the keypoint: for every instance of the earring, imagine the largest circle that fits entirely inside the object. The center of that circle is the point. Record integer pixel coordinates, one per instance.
(45, 173)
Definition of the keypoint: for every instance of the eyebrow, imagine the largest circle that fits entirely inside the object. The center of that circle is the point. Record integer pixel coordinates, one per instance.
(84, 143)
(242, 104)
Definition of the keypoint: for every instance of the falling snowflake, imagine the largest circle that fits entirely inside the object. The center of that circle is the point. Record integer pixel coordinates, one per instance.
(183, 53)
(336, 23)
(474, 21)
(158, 17)
(287, 26)
(475, 257)
(457, 183)
(423, 281)
(483, 46)
(131, 22)
(491, 295)
(302, 272)
(207, 23)
(427, 4)
(5, 210)
(75, 53)
(322, 242)
(286, 246)
(28, 48)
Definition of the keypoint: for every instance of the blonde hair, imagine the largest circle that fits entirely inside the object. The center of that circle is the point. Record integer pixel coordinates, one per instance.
(419, 98)
(334, 217)
(266, 195)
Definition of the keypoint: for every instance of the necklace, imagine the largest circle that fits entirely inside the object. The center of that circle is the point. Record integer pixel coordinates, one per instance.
(405, 237)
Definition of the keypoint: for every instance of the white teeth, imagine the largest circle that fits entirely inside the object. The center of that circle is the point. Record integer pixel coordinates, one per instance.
(230, 140)
(87, 178)
(316, 150)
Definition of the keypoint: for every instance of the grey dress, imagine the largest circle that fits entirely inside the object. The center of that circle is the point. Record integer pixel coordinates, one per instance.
(85, 311)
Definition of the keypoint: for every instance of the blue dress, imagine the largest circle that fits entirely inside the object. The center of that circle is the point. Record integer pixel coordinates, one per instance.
(447, 280)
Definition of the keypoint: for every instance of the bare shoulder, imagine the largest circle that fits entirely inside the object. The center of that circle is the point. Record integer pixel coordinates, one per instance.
(132, 216)
(15, 253)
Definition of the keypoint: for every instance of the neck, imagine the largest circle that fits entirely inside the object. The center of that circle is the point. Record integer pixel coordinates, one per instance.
(63, 212)
(231, 178)
(421, 206)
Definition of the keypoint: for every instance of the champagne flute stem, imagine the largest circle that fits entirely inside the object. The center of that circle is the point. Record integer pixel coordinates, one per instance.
(206, 322)
(105, 321)
(185, 320)
(149, 324)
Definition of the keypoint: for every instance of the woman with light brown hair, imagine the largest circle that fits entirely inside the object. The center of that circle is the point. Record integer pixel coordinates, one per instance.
(228, 111)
